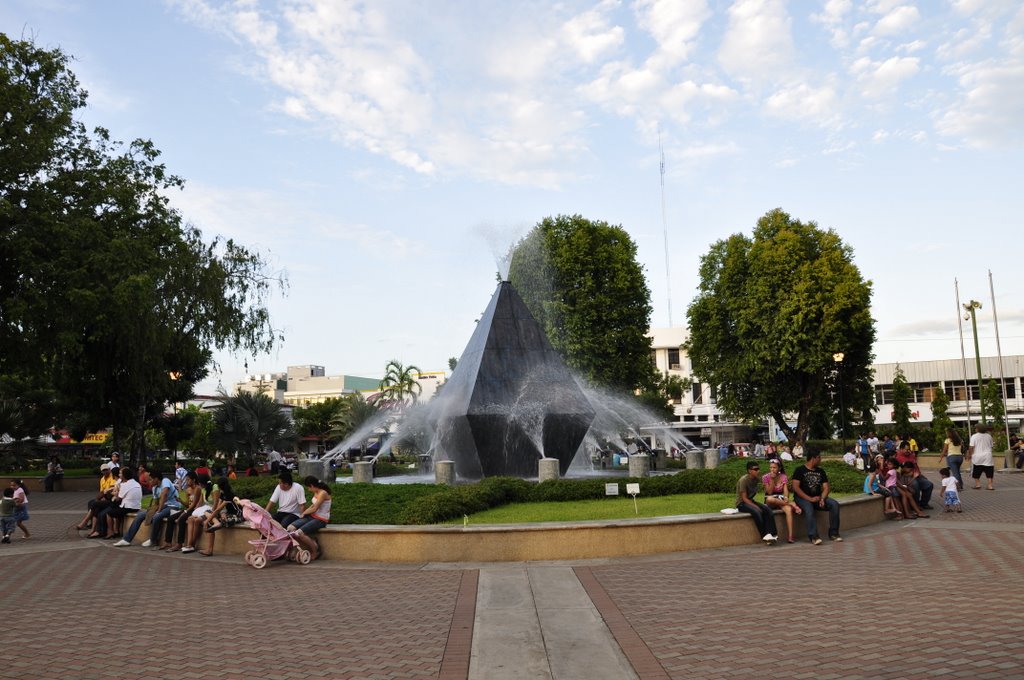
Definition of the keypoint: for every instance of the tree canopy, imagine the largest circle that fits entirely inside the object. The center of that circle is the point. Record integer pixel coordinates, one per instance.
(581, 280)
(771, 313)
(109, 301)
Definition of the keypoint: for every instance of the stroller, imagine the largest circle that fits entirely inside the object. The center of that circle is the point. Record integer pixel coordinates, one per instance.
(276, 541)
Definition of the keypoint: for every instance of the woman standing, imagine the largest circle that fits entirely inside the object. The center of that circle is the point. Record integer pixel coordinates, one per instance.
(20, 505)
(952, 451)
(776, 494)
(315, 517)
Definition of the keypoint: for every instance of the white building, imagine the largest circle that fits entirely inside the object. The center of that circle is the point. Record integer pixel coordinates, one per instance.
(309, 384)
(704, 424)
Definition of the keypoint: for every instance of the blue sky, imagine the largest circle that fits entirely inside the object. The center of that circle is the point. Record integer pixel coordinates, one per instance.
(381, 153)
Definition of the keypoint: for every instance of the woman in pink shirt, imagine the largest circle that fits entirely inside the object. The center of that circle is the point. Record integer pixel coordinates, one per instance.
(776, 494)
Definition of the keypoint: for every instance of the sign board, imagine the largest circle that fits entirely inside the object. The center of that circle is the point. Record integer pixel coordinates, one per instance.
(632, 489)
(611, 489)
(705, 432)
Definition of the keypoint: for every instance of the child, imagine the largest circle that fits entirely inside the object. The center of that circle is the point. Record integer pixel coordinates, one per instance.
(7, 515)
(950, 496)
(894, 501)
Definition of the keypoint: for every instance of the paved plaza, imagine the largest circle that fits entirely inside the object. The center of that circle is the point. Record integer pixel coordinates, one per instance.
(940, 597)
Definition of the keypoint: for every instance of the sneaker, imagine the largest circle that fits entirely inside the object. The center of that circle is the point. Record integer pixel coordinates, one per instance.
(188, 549)
(767, 538)
(147, 543)
(837, 538)
(6, 539)
(121, 544)
(815, 541)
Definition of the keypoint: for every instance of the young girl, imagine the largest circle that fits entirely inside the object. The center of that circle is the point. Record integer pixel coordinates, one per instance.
(224, 513)
(315, 517)
(776, 494)
(891, 486)
(20, 505)
(197, 520)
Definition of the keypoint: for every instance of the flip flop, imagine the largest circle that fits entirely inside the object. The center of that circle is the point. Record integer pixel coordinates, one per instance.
(94, 535)
(205, 554)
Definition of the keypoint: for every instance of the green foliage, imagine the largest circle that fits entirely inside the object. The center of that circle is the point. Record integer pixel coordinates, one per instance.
(315, 420)
(203, 438)
(992, 407)
(901, 396)
(771, 311)
(399, 383)
(249, 424)
(582, 282)
(105, 291)
(352, 412)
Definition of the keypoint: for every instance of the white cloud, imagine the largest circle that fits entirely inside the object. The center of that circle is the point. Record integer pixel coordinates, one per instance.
(989, 113)
(591, 37)
(675, 26)
(758, 42)
(897, 20)
(804, 102)
(879, 78)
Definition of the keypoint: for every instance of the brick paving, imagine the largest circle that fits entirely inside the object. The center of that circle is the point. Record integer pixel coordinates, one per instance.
(940, 597)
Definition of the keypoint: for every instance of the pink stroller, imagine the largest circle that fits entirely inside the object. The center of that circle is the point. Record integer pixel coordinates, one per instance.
(276, 540)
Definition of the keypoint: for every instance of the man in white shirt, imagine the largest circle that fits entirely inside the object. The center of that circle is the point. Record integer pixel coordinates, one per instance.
(289, 497)
(979, 456)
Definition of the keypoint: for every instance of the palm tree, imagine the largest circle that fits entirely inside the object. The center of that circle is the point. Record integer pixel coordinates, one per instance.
(250, 423)
(399, 382)
(352, 412)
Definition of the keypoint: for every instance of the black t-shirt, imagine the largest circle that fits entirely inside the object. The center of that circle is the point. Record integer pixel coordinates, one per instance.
(811, 481)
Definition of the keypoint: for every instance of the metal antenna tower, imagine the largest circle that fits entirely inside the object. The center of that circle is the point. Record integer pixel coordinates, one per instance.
(664, 224)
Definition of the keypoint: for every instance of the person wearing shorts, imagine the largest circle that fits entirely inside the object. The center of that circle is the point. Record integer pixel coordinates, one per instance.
(979, 456)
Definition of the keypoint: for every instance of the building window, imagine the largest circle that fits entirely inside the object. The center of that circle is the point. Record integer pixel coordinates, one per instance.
(883, 394)
(673, 359)
(698, 393)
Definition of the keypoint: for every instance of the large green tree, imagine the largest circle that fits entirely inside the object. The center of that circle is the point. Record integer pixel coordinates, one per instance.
(772, 310)
(315, 420)
(399, 384)
(580, 278)
(108, 299)
(902, 394)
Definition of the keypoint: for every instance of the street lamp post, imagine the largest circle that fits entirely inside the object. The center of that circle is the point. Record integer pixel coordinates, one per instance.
(838, 358)
(971, 307)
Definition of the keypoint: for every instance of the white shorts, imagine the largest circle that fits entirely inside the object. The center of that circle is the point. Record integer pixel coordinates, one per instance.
(201, 510)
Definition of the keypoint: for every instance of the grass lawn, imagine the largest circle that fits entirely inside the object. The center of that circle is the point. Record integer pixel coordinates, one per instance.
(620, 507)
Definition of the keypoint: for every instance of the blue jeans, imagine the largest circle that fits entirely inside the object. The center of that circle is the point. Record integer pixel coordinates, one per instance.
(764, 517)
(831, 505)
(923, 490)
(955, 461)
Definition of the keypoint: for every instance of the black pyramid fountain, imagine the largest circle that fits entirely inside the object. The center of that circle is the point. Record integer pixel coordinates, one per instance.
(511, 399)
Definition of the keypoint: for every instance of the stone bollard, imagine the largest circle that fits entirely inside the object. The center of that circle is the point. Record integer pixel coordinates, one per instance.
(694, 460)
(444, 472)
(639, 465)
(711, 458)
(321, 469)
(362, 472)
(547, 469)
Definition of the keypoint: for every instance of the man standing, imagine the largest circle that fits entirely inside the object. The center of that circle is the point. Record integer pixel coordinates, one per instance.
(746, 492)
(811, 489)
(979, 456)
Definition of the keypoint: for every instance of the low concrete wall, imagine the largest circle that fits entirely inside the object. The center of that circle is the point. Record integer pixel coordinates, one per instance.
(546, 541)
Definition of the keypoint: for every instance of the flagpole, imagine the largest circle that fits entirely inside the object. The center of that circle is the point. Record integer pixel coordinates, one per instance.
(963, 356)
(1008, 458)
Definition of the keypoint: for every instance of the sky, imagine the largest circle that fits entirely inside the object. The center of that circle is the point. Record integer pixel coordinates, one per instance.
(382, 154)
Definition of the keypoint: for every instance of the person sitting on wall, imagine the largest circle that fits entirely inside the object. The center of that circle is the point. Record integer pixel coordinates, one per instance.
(922, 487)
(289, 498)
(811, 488)
(746, 492)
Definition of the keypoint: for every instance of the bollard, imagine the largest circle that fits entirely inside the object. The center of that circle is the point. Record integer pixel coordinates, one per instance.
(711, 458)
(362, 472)
(321, 469)
(444, 472)
(694, 460)
(639, 465)
(548, 469)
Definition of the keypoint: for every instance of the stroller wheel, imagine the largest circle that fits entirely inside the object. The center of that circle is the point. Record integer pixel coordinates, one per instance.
(248, 556)
(292, 553)
(304, 556)
(259, 561)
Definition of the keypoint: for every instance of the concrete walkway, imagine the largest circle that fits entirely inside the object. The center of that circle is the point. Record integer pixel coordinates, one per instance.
(915, 599)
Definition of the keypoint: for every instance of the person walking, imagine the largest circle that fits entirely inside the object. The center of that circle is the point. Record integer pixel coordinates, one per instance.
(952, 451)
(20, 506)
(979, 455)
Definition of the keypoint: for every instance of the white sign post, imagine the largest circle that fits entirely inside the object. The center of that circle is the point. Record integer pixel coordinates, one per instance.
(611, 489)
(634, 491)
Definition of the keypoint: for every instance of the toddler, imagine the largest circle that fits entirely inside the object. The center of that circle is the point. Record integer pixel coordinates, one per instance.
(7, 515)
(950, 495)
